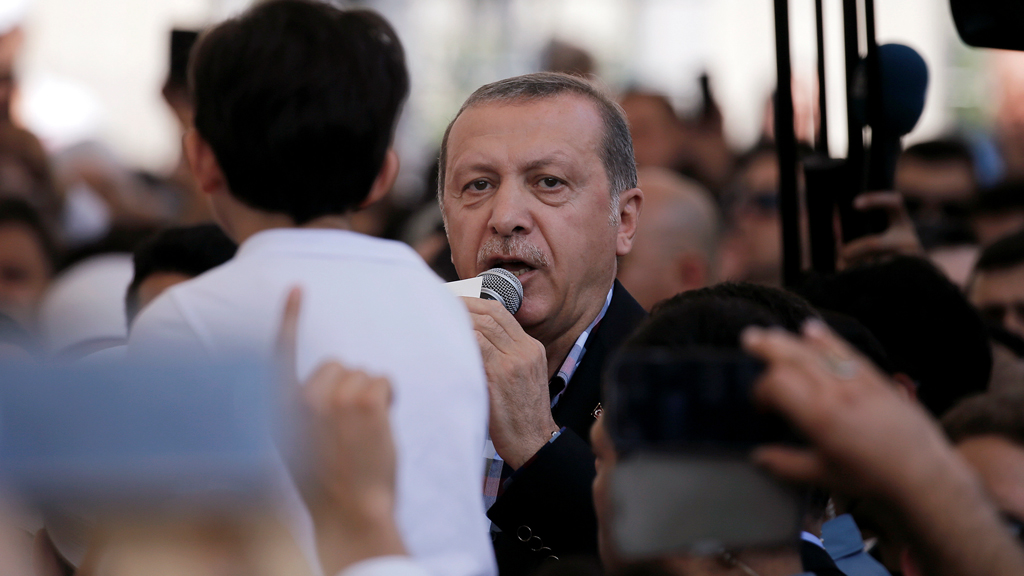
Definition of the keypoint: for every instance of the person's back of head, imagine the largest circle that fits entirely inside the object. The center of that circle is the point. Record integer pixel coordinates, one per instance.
(171, 256)
(298, 101)
(676, 247)
(708, 321)
(707, 318)
(927, 327)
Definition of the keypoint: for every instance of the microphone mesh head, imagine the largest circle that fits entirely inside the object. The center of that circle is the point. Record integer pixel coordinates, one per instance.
(503, 286)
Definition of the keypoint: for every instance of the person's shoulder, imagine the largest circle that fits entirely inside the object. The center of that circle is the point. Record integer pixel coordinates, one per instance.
(624, 312)
(171, 322)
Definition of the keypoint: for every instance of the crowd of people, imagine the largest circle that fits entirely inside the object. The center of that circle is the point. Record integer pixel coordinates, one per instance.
(454, 437)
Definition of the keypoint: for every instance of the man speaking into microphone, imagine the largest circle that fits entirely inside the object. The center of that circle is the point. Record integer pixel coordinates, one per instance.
(537, 177)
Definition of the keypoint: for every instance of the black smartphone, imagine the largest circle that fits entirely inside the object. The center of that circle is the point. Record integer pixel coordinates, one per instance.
(684, 425)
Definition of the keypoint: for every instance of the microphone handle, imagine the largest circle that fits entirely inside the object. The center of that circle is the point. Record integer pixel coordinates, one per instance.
(884, 153)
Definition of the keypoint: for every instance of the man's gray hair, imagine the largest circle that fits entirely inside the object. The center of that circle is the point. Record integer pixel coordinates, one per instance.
(617, 145)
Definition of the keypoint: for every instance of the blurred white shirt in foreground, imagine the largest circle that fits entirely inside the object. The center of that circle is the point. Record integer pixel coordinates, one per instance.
(373, 305)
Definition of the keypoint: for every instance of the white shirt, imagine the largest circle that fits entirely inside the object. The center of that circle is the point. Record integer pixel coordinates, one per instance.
(384, 566)
(374, 305)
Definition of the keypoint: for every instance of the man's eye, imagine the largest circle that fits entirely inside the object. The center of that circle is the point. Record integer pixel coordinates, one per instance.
(550, 182)
(479, 185)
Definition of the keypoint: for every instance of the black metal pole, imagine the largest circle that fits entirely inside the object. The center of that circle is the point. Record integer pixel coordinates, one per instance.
(869, 26)
(821, 139)
(854, 94)
(785, 143)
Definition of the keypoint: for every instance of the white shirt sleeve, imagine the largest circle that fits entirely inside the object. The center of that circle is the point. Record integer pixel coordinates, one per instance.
(385, 566)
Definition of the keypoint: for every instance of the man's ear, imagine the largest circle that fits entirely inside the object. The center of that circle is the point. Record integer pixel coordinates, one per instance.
(630, 203)
(385, 179)
(203, 162)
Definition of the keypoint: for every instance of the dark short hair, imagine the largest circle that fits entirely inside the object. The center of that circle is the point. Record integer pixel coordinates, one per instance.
(189, 250)
(20, 212)
(790, 309)
(1005, 253)
(858, 335)
(616, 146)
(991, 414)
(941, 150)
(928, 328)
(715, 316)
(299, 101)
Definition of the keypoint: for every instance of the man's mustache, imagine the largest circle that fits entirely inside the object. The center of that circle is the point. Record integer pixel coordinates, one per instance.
(512, 248)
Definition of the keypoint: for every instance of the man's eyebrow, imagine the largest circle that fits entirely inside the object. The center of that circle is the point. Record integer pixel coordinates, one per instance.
(474, 167)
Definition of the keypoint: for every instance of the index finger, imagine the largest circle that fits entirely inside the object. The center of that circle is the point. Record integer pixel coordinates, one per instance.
(891, 202)
(287, 336)
(793, 376)
(505, 320)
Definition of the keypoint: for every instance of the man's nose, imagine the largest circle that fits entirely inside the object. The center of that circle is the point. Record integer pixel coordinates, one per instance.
(510, 212)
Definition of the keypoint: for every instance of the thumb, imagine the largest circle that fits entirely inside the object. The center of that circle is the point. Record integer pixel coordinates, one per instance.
(793, 464)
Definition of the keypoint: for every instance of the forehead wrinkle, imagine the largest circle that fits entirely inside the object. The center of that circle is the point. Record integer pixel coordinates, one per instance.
(500, 145)
(556, 158)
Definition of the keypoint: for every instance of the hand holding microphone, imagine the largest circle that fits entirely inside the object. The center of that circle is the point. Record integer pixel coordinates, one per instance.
(875, 224)
(517, 369)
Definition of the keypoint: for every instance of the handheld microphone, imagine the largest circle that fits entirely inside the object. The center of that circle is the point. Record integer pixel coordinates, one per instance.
(503, 286)
(902, 87)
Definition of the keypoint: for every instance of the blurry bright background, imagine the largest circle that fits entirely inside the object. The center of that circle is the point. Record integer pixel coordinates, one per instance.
(92, 69)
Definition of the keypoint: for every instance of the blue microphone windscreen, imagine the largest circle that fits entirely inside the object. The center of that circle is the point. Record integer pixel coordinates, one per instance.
(904, 85)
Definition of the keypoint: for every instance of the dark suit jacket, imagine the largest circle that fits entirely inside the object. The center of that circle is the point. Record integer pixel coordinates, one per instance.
(817, 561)
(548, 509)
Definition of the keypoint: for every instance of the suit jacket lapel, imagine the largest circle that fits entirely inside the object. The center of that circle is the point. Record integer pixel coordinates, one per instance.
(583, 394)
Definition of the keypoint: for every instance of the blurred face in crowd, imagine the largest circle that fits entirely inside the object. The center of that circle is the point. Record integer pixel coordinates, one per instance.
(753, 248)
(999, 295)
(656, 132)
(24, 272)
(1000, 464)
(933, 190)
(526, 190)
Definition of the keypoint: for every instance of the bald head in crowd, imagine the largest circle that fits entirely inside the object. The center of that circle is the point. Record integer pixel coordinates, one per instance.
(676, 245)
